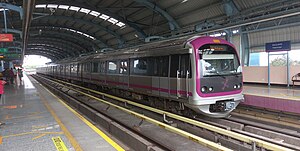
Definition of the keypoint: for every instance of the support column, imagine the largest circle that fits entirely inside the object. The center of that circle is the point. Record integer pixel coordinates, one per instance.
(244, 48)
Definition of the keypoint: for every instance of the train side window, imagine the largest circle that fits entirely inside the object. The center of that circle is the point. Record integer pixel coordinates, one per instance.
(78, 67)
(75, 68)
(140, 66)
(112, 67)
(71, 67)
(164, 66)
(174, 67)
(155, 62)
(185, 65)
(95, 67)
(102, 67)
(124, 67)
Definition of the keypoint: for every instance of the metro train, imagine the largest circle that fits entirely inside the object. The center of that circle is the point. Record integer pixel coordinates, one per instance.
(201, 74)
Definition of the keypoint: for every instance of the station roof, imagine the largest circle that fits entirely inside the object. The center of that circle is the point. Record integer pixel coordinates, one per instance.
(65, 29)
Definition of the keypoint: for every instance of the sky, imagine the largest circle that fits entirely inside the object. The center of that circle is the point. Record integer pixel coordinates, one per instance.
(35, 60)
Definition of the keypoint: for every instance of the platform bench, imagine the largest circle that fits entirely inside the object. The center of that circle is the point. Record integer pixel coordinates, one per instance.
(296, 78)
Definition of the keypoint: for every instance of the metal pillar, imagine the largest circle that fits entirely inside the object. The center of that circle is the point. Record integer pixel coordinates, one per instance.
(269, 72)
(287, 68)
(5, 23)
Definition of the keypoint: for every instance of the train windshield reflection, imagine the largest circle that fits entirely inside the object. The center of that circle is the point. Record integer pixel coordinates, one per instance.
(218, 60)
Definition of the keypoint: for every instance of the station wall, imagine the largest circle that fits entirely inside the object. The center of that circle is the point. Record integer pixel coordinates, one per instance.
(259, 74)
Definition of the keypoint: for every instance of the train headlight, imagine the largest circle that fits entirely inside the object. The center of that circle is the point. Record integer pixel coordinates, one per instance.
(239, 86)
(204, 89)
(210, 89)
(235, 86)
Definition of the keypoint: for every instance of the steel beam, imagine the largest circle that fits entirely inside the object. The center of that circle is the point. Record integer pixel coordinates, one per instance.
(120, 40)
(28, 6)
(42, 53)
(172, 22)
(137, 29)
(56, 49)
(46, 51)
(84, 41)
(230, 7)
(14, 31)
(66, 44)
(13, 7)
(53, 49)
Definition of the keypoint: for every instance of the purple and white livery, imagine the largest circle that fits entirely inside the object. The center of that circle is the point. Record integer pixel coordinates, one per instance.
(200, 73)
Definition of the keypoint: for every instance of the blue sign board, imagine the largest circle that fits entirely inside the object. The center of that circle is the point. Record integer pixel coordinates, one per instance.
(278, 46)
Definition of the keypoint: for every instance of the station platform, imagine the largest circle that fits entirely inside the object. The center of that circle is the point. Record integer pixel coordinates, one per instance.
(34, 119)
(284, 99)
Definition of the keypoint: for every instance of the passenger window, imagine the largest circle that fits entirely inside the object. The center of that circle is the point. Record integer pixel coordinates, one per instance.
(123, 67)
(102, 67)
(156, 66)
(164, 63)
(95, 67)
(185, 65)
(140, 66)
(112, 67)
(174, 66)
(78, 67)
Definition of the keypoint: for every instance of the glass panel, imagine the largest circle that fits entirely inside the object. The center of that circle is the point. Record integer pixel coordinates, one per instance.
(140, 66)
(164, 62)
(123, 67)
(218, 60)
(112, 67)
(95, 67)
(174, 66)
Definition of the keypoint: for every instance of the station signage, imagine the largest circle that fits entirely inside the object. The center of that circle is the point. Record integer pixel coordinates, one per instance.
(3, 50)
(12, 55)
(278, 46)
(6, 37)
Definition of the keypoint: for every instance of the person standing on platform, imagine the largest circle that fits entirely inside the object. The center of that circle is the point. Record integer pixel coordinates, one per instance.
(11, 76)
(20, 74)
(2, 83)
(15, 74)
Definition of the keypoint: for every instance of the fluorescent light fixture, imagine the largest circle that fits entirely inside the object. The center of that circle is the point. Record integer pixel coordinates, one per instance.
(83, 10)
(74, 8)
(235, 31)
(112, 20)
(94, 13)
(2, 9)
(52, 6)
(63, 7)
(120, 24)
(40, 6)
(183, 1)
(104, 17)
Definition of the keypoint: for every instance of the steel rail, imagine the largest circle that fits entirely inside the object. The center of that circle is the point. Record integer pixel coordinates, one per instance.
(225, 132)
(170, 128)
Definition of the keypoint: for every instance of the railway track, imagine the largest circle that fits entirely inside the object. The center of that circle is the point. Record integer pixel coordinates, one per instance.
(227, 132)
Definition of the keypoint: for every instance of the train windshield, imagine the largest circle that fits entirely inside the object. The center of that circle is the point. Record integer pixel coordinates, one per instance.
(218, 60)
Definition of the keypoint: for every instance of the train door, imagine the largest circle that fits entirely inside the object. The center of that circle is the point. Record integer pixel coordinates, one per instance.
(164, 76)
(179, 75)
(184, 74)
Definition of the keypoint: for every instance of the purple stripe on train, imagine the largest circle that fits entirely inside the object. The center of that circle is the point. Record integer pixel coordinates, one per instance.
(181, 92)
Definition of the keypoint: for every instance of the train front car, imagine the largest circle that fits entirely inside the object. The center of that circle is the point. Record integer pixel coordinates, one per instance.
(217, 86)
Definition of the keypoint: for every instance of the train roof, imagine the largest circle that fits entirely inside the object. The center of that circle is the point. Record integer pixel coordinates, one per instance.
(158, 48)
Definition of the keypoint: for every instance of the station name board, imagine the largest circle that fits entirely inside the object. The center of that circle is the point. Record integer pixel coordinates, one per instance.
(6, 37)
(278, 46)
